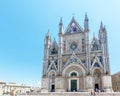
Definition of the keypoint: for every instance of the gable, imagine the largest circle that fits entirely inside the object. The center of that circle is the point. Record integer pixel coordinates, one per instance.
(96, 63)
(73, 27)
(74, 60)
(52, 66)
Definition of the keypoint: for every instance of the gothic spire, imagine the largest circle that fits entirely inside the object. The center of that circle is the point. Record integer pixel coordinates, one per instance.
(61, 23)
(86, 18)
(104, 28)
(86, 21)
(48, 33)
(61, 29)
(93, 35)
(101, 25)
(73, 17)
(48, 38)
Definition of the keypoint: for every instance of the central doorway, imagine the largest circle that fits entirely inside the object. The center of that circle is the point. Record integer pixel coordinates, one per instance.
(73, 85)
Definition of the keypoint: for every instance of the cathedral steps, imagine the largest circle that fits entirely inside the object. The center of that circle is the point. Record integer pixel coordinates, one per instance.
(74, 94)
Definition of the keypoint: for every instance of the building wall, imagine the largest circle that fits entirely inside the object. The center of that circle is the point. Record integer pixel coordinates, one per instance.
(13, 88)
(2, 87)
(116, 82)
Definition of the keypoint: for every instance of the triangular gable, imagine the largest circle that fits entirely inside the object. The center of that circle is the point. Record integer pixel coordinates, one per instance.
(74, 59)
(73, 27)
(54, 47)
(52, 66)
(95, 40)
(54, 44)
(96, 61)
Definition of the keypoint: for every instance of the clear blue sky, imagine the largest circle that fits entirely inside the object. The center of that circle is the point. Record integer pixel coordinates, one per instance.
(24, 23)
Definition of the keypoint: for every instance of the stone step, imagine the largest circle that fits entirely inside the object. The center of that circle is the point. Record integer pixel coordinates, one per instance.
(73, 94)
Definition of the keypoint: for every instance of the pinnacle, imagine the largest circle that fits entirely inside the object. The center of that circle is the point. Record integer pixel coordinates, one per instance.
(86, 17)
(61, 21)
(101, 25)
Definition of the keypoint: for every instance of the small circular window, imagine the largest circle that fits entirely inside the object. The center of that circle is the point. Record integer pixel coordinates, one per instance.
(73, 45)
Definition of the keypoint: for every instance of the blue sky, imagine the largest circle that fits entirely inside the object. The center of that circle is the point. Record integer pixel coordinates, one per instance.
(24, 23)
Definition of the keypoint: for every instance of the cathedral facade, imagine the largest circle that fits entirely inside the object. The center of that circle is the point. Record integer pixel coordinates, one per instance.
(76, 63)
